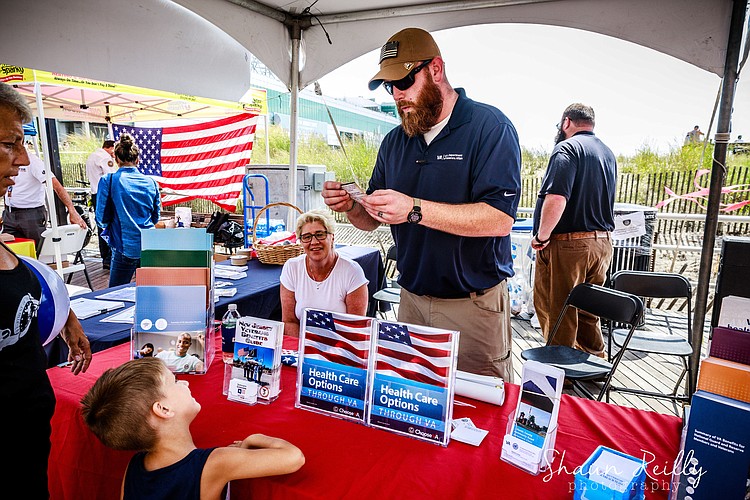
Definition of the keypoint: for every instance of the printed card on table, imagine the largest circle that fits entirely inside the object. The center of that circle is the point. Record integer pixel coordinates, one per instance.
(412, 381)
(332, 366)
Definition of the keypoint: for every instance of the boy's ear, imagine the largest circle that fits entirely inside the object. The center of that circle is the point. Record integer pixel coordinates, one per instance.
(161, 410)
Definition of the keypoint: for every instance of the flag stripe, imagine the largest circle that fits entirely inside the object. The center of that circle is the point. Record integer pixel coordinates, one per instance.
(324, 355)
(388, 369)
(360, 353)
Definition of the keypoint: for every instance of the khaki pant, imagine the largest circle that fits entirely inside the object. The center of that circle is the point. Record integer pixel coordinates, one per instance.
(560, 266)
(483, 321)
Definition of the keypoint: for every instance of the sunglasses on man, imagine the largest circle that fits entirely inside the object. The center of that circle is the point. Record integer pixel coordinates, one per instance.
(406, 81)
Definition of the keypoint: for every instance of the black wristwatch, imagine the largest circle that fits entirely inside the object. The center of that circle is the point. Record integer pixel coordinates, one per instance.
(415, 216)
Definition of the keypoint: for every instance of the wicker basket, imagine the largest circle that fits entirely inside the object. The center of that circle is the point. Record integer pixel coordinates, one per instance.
(274, 254)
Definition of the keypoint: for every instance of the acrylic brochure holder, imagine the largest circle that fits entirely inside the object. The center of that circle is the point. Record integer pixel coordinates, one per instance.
(527, 457)
(529, 442)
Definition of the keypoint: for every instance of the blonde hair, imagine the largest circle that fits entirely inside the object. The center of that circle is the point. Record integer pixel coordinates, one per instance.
(317, 215)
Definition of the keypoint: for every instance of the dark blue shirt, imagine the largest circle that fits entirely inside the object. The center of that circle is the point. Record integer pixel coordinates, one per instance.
(583, 170)
(475, 158)
(181, 480)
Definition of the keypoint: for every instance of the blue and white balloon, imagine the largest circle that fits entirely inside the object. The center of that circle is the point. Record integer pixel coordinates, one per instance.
(55, 304)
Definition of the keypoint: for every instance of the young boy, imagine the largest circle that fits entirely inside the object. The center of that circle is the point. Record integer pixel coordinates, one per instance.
(168, 464)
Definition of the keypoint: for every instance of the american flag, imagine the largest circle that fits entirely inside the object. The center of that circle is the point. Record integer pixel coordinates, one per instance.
(204, 160)
(416, 353)
(338, 338)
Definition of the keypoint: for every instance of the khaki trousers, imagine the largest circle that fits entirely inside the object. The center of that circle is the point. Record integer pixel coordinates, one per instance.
(484, 345)
(560, 266)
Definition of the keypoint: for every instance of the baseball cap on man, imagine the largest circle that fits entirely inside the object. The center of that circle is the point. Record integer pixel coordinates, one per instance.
(401, 53)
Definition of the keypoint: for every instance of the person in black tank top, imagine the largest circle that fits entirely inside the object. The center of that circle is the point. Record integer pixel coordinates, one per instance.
(27, 400)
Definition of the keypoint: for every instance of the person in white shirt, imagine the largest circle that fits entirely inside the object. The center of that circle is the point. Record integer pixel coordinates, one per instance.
(25, 213)
(320, 278)
(179, 360)
(98, 164)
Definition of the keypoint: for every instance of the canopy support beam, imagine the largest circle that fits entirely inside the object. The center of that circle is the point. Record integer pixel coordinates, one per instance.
(718, 176)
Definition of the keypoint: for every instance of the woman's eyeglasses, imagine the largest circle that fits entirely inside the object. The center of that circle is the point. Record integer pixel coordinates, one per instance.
(319, 235)
(406, 81)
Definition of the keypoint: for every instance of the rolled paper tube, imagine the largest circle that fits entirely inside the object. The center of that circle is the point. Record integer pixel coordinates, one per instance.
(480, 387)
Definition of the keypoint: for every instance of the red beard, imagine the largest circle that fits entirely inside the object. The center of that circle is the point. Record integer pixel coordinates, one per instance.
(424, 112)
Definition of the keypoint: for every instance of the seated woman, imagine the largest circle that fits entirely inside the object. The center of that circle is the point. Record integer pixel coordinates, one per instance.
(320, 278)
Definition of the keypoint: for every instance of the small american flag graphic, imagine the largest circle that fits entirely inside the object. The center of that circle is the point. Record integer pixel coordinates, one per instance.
(205, 160)
(414, 353)
(390, 49)
(337, 338)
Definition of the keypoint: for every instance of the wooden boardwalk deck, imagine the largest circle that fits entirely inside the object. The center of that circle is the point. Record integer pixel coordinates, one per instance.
(651, 372)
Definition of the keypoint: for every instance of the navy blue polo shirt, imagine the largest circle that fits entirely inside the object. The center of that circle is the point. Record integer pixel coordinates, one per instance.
(475, 158)
(583, 170)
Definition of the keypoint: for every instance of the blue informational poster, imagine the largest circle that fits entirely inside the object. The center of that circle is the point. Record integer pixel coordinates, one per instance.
(163, 309)
(412, 381)
(333, 360)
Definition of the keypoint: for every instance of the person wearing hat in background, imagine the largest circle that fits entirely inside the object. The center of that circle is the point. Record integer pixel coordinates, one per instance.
(26, 396)
(448, 182)
(100, 163)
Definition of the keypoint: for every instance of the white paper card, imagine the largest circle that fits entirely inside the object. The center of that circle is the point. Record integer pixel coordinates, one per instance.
(243, 391)
(735, 312)
(87, 308)
(469, 435)
(632, 225)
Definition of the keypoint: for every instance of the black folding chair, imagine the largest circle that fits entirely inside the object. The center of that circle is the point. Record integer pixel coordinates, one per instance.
(613, 305)
(677, 334)
(389, 293)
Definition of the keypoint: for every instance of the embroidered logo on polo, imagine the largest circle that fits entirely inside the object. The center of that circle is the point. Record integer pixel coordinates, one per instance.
(450, 157)
(390, 49)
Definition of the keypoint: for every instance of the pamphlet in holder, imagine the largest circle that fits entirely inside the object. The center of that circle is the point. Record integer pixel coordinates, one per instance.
(522, 455)
(256, 361)
(529, 442)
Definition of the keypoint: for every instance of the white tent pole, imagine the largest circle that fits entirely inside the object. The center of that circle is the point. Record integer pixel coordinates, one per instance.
(48, 174)
(268, 146)
(293, 108)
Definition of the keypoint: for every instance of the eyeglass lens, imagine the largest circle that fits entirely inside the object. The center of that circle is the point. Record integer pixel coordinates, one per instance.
(319, 235)
(406, 81)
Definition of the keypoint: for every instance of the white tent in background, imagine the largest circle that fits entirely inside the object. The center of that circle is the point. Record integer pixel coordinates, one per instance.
(200, 47)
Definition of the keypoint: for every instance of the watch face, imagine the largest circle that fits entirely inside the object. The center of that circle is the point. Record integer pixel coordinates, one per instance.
(414, 217)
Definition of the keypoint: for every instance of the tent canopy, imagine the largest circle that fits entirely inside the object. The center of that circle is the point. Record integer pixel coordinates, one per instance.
(201, 47)
(74, 98)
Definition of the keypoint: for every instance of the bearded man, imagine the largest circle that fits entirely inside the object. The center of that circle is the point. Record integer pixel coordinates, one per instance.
(573, 218)
(448, 182)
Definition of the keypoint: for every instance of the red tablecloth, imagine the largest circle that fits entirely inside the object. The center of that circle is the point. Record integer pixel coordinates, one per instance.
(347, 460)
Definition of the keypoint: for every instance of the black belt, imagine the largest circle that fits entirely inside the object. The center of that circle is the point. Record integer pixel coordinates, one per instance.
(466, 295)
(18, 209)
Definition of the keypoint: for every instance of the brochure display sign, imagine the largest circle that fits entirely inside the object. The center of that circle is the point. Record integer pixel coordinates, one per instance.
(412, 381)
(255, 371)
(174, 307)
(530, 440)
(334, 354)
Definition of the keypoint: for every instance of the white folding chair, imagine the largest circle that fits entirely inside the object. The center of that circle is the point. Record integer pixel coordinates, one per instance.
(71, 239)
